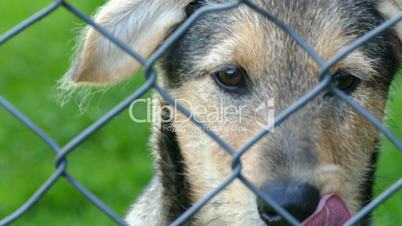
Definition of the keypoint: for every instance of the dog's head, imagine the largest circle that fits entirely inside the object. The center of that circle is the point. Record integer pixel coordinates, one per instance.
(234, 69)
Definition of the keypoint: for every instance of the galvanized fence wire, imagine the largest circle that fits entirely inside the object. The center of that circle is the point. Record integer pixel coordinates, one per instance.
(151, 74)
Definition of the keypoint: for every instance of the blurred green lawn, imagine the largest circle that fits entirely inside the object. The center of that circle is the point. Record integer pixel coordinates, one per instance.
(115, 163)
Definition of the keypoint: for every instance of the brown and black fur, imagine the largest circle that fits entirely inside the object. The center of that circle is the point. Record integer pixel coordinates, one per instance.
(326, 144)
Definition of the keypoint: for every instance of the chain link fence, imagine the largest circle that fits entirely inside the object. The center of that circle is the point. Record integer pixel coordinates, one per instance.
(63, 151)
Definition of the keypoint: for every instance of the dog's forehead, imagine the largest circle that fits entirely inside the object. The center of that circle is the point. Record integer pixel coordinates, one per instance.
(251, 40)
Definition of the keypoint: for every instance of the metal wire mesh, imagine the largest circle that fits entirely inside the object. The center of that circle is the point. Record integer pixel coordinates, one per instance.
(151, 75)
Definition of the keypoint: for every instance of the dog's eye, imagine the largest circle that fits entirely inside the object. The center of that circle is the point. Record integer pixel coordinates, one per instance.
(345, 81)
(230, 79)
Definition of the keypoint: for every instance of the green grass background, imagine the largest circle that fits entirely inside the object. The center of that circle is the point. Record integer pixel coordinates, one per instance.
(115, 163)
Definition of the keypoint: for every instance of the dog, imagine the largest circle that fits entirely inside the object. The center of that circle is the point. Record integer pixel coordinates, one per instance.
(324, 154)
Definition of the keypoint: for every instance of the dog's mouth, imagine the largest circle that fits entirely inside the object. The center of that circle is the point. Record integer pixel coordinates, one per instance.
(331, 211)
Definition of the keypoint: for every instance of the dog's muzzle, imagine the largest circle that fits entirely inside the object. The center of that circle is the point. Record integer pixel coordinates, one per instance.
(304, 203)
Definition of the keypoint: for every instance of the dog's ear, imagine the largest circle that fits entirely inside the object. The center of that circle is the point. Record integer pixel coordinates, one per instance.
(142, 24)
(390, 9)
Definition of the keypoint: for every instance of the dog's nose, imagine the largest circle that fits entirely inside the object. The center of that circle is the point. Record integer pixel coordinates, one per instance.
(300, 200)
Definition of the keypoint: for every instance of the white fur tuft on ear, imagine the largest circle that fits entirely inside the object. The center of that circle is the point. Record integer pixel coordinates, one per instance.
(390, 9)
(142, 24)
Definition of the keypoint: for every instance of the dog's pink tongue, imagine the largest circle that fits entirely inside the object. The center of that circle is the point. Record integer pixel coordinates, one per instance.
(331, 211)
